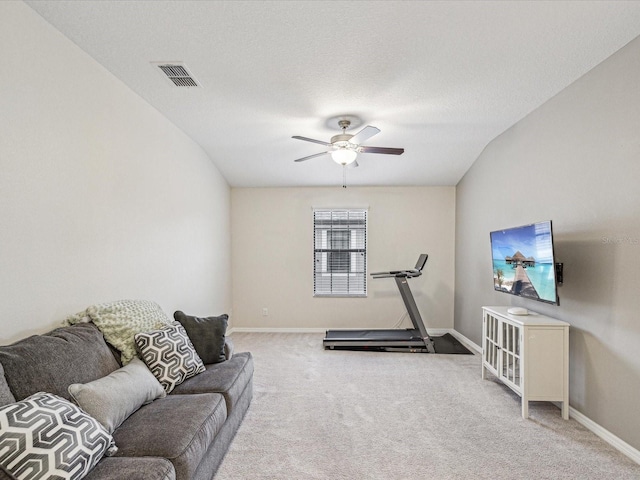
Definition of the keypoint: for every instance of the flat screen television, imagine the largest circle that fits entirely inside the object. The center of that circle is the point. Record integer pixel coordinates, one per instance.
(524, 263)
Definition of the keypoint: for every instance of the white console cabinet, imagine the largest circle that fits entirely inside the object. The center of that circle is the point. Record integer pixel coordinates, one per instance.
(529, 354)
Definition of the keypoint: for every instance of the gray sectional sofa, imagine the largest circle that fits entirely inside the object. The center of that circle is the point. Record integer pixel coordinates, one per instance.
(183, 435)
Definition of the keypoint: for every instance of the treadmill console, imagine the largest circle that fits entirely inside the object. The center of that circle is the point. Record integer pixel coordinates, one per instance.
(416, 272)
(422, 260)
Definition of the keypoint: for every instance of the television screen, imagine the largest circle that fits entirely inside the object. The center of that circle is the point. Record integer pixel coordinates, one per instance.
(523, 262)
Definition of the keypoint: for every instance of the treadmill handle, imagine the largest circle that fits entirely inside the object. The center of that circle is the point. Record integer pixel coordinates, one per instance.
(397, 273)
(390, 274)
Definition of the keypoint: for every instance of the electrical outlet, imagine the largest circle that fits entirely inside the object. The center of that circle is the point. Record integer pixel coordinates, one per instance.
(265, 312)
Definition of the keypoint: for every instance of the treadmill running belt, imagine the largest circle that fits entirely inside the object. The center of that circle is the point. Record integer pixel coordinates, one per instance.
(387, 335)
(391, 340)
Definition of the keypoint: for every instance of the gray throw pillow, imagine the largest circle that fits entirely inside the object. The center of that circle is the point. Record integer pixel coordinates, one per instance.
(112, 399)
(207, 335)
(5, 394)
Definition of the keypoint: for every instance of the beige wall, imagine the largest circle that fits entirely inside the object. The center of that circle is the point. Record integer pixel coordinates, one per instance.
(272, 256)
(576, 161)
(101, 198)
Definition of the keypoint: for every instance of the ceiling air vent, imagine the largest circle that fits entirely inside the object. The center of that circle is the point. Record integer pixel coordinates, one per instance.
(178, 74)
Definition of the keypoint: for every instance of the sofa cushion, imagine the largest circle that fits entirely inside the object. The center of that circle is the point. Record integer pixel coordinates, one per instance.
(207, 335)
(53, 361)
(111, 399)
(120, 320)
(5, 392)
(45, 436)
(228, 378)
(170, 355)
(179, 428)
(132, 468)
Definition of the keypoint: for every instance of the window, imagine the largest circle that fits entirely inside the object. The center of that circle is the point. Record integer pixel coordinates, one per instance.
(340, 252)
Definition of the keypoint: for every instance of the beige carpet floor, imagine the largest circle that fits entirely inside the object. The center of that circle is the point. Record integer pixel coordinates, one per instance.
(322, 414)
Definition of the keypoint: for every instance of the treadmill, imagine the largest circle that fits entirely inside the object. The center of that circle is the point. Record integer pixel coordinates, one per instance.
(415, 339)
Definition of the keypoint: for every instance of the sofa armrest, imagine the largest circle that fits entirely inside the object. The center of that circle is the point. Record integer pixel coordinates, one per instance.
(228, 348)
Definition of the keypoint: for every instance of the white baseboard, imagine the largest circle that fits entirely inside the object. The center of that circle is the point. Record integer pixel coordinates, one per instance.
(605, 434)
(274, 330)
(432, 331)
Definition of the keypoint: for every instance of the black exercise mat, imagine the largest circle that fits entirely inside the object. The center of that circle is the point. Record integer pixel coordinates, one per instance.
(447, 343)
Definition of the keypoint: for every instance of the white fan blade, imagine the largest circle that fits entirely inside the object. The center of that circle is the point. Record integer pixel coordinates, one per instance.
(364, 134)
(297, 137)
(385, 150)
(311, 156)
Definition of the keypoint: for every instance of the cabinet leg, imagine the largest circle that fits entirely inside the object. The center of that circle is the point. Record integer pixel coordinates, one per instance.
(565, 410)
(525, 408)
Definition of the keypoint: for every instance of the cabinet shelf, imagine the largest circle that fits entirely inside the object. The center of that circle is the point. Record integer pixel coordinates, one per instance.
(529, 354)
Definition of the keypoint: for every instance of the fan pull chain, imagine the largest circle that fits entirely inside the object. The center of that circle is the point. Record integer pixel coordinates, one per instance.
(344, 176)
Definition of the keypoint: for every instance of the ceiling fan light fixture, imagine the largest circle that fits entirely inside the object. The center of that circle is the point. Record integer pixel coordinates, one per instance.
(344, 156)
(345, 147)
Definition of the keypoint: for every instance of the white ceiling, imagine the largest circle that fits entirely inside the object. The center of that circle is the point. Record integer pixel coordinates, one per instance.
(441, 79)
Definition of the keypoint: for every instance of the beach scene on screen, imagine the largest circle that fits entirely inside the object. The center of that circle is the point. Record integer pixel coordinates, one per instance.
(523, 261)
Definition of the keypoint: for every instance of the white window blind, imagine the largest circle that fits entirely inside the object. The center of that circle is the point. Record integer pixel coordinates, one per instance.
(340, 252)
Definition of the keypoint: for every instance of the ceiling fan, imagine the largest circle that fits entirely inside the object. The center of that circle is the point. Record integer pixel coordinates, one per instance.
(344, 147)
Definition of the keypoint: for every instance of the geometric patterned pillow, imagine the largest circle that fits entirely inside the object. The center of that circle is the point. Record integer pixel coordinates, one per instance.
(45, 436)
(170, 355)
(120, 320)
